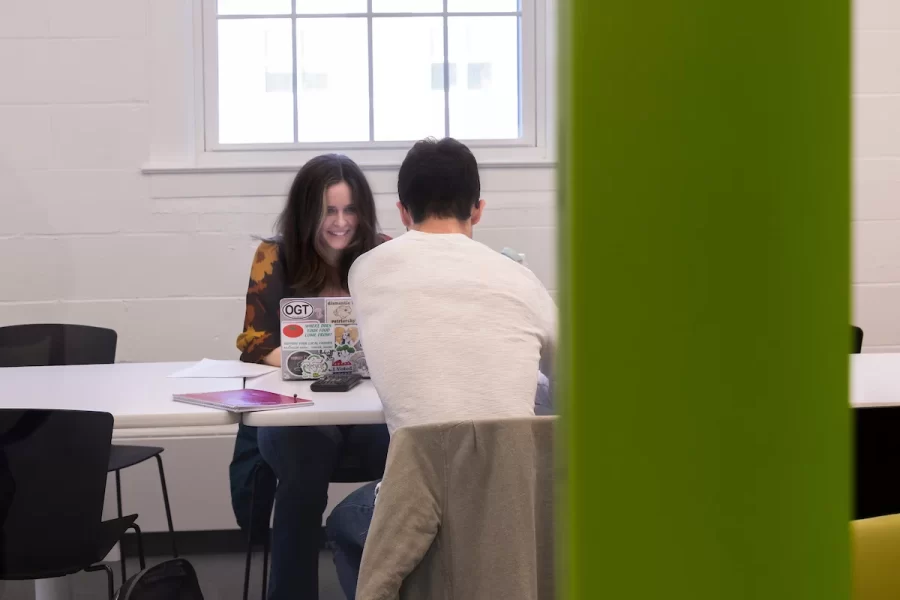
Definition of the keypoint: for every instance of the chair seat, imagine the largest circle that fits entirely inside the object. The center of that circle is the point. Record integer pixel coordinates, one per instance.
(121, 457)
(111, 533)
(45, 566)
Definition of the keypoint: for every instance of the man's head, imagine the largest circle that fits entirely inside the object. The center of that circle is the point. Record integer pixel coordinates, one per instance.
(439, 187)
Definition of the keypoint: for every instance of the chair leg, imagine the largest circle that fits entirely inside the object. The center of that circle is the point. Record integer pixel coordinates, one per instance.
(140, 545)
(247, 571)
(119, 506)
(265, 571)
(165, 491)
(109, 578)
(250, 538)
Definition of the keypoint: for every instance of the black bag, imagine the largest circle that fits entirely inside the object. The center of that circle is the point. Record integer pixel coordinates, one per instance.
(170, 580)
(246, 465)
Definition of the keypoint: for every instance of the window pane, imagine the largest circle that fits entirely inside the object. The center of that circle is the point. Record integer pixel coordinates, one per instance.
(407, 6)
(482, 5)
(332, 7)
(254, 7)
(255, 74)
(484, 100)
(332, 80)
(408, 104)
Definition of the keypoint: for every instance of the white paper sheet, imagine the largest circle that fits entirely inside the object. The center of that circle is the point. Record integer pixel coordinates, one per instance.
(223, 368)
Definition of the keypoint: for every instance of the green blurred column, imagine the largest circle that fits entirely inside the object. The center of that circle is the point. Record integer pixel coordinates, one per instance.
(705, 271)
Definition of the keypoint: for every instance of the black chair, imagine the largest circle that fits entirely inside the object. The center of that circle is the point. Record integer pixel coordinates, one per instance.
(52, 484)
(856, 339)
(349, 471)
(40, 345)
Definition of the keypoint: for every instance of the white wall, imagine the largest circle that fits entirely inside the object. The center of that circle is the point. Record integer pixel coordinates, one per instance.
(876, 224)
(86, 237)
(164, 259)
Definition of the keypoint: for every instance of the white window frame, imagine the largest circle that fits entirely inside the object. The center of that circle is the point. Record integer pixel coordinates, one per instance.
(536, 146)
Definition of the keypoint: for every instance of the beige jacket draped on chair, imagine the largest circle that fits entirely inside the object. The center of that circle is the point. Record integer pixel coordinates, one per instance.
(465, 512)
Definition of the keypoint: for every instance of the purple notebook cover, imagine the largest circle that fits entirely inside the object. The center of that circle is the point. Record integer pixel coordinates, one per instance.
(242, 400)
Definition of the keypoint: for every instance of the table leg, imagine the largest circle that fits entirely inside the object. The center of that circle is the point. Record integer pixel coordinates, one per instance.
(58, 588)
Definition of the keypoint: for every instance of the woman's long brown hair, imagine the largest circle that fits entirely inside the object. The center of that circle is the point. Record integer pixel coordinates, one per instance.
(297, 228)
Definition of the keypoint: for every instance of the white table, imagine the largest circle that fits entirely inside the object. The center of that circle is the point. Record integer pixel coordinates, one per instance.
(138, 395)
(359, 406)
(875, 380)
(875, 396)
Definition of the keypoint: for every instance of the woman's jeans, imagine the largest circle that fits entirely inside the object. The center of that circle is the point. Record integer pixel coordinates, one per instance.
(303, 459)
(347, 528)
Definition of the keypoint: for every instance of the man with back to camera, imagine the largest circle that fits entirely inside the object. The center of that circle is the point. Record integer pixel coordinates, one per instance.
(453, 330)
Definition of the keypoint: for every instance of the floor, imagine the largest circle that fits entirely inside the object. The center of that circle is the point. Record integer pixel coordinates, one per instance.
(221, 578)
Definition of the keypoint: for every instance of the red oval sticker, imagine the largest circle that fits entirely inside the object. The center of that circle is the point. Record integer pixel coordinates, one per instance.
(293, 331)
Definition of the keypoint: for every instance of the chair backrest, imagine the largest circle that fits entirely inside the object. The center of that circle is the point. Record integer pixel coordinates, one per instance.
(40, 345)
(876, 554)
(52, 483)
(465, 510)
(856, 339)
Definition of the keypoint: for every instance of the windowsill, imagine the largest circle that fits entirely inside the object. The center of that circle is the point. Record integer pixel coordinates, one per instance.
(186, 168)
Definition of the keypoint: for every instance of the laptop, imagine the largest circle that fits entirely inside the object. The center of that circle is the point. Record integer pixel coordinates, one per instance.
(319, 337)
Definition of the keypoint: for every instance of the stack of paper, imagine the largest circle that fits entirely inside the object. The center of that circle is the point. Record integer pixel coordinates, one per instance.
(223, 369)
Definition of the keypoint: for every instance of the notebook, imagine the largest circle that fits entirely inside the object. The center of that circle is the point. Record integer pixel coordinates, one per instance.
(240, 401)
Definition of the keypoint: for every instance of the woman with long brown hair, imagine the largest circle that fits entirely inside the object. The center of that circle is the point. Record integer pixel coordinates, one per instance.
(328, 221)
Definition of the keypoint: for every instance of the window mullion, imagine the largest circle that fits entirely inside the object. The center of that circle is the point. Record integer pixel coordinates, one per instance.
(446, 73)
(371, 73)
(295, 76)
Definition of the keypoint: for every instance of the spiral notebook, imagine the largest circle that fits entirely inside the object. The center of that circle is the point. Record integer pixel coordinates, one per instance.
(241, 401)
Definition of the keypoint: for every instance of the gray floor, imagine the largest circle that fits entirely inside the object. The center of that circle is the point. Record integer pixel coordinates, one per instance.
(221, 578)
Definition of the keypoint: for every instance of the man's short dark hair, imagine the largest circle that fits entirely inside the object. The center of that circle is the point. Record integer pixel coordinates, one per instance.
(439, 179)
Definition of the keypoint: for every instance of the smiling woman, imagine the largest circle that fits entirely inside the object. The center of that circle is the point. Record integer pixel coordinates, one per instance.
(328, 221)
(338, 227)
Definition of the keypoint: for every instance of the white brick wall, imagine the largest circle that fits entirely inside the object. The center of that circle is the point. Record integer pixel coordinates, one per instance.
(164, 259)
(876, 210)
(86, 237)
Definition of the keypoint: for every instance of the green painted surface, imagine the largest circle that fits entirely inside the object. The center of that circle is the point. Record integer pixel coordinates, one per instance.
(704, 248)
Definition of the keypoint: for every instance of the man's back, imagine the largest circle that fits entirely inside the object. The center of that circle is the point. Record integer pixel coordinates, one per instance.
(452, 329)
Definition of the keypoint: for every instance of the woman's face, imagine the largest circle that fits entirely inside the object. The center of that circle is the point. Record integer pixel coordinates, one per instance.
(340, 222)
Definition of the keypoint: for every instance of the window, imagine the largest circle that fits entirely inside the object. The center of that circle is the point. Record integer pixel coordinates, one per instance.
(369, 74)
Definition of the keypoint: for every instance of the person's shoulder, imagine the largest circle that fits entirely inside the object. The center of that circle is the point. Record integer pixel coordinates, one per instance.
(531, 280)
(511, 272)
(498, 261)
(268, 253)
(269, 249)
(386, 245)
(375, 256)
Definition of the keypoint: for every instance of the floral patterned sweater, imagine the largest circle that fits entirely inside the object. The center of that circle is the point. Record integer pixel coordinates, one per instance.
(267, 288)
